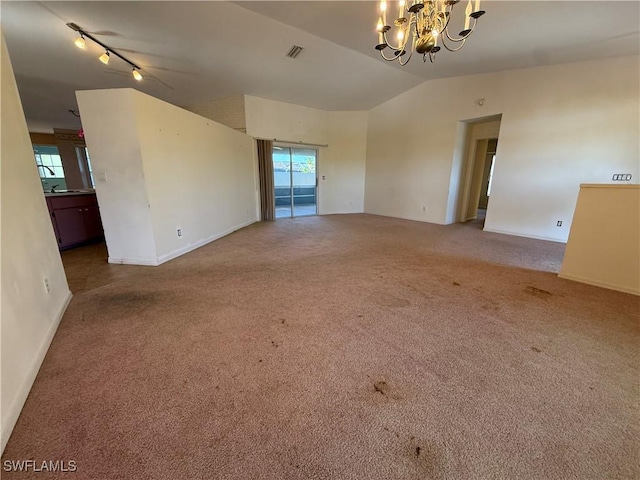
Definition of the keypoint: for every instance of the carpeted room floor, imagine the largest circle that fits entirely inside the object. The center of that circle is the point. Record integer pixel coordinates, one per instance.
(342, 347)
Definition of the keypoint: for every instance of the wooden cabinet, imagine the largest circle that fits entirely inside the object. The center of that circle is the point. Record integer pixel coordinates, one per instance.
(75, 218)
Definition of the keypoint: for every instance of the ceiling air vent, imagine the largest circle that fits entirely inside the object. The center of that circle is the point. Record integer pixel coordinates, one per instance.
(294, 51)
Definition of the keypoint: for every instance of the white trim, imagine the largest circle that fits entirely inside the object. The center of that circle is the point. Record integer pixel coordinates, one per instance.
(133, 261)
(537, 237)
(13, 412)
(192, 246)
(595, 283)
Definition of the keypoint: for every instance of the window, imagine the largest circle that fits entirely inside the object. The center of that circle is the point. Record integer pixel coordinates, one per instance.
(84, 162)
(49, 166)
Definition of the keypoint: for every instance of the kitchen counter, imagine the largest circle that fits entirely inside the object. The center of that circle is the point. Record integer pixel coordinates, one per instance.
(60, 193)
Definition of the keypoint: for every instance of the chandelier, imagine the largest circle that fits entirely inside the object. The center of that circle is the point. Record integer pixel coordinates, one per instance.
(426, 24)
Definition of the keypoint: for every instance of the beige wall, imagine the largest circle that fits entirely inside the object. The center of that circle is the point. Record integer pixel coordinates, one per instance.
(111, 133)
(341, 165)
(159, 168)
(604, 243)
(29, 315)
(199, 174)
(561, 126)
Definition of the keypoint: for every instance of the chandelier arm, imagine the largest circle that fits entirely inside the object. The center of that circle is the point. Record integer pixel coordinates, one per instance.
(387, 58)
(446, 25)
(451, 49)
(392, 47)
(408, 58)
(461, 39)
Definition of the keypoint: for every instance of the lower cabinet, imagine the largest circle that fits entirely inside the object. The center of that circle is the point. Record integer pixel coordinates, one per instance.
(75, 218)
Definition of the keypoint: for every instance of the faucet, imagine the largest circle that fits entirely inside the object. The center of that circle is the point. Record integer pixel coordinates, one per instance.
(53, 189)
(48, 168)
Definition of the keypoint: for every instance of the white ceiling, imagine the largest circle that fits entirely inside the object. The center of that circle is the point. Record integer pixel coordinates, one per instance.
(193, 52)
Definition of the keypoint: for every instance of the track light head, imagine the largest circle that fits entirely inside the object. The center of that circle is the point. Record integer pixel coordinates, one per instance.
(79, 42)
(104, 58)
(137, 75)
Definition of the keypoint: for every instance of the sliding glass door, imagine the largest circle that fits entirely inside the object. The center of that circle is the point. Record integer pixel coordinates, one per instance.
(294, 180)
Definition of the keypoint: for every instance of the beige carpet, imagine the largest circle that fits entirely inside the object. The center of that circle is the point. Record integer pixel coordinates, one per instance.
(343, 347)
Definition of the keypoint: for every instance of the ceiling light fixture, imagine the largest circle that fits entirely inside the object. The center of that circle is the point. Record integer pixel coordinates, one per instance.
(104, 58)
(425, 23)
(80, 43)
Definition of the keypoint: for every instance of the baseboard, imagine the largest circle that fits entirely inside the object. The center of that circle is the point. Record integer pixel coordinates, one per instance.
(192, 246)
(537, 237)
(18, 402)
(595, 283)
(133, 261)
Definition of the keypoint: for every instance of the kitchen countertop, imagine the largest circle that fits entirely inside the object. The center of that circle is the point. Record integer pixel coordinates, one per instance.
(61, 193)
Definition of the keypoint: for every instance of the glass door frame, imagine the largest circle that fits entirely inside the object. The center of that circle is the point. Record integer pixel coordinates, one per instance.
(291, 149)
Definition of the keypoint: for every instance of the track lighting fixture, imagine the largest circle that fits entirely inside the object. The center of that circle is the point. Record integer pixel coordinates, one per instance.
(104, 58)
(80, 43)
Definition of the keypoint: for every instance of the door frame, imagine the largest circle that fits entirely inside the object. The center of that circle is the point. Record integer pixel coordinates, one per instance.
(300, 146)
(469, 160)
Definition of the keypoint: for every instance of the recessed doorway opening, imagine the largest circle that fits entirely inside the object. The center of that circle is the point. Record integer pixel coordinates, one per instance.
(473, 172)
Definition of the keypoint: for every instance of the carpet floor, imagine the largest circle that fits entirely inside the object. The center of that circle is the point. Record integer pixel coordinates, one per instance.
(342, 347)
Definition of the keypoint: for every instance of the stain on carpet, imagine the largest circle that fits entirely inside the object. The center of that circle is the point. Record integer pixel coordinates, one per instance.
(538, 292)
(535, 349)
(426, 458)
(381, 387)
(386, 300)
(131, 301)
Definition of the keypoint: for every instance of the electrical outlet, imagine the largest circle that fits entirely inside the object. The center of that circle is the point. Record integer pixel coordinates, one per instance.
(559, 223)
(179, 232)
(47, 287)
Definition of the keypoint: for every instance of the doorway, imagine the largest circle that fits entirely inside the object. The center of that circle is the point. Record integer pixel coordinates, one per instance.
(475, 164)
(480, 187)
(295, 181)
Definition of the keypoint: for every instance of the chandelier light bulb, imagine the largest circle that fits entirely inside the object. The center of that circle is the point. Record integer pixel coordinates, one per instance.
(136, 75)
(79, 42)
(380, 25)
(383, 6)
(434, 32)
(104, 58)
(400, 35)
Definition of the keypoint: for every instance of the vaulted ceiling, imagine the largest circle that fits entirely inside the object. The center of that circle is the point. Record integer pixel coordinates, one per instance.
(193, 52)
